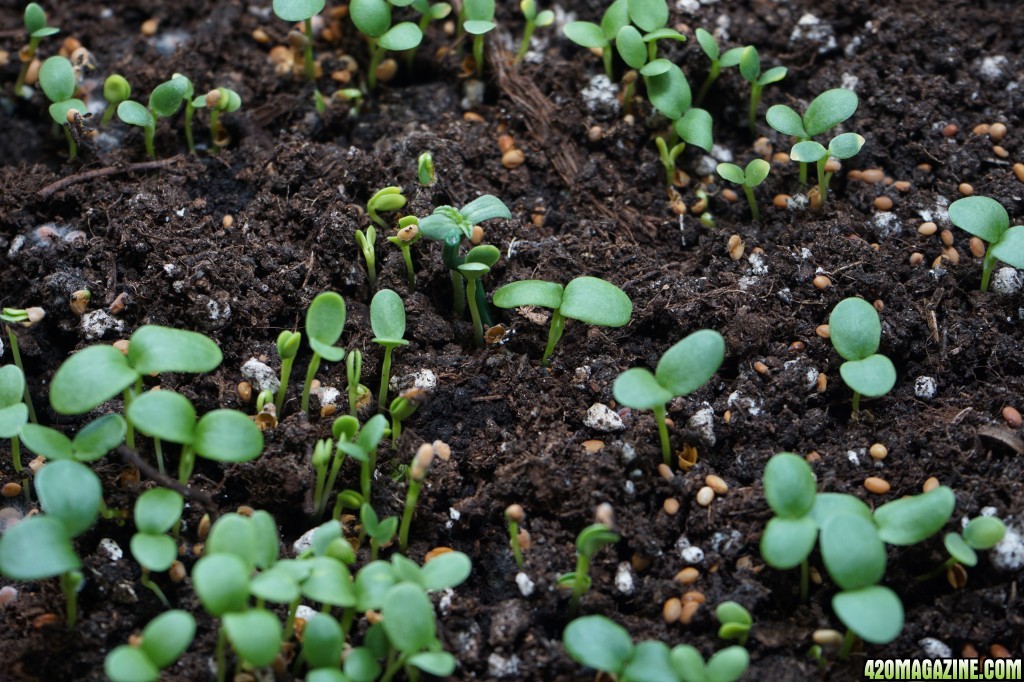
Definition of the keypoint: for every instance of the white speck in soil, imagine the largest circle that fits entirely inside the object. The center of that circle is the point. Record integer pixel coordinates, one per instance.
(600, 417)
(849, 82)
(935, 648)
(812, 29)
(703, 422)
(628, 452)
(721, 153)
(454, 513)
(16, 245)
(993, 67)
(526, 586)
(722, 542)
(445, 603)
(262, 375)
(425, 379)
(706, 165)
(758, 266)
(329, 395)
(304, 542)
(1006, 281)
(1008, 554)
(925, 387)
(797, 203)
(888, 224)
(689, 553)
(630, 488)
(601, 96)
(305, 612)
(853, 457)
(499, 666)
(111, 549)
(97, 323)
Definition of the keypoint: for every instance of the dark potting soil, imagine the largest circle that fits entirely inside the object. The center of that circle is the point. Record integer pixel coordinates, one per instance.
(296, 184)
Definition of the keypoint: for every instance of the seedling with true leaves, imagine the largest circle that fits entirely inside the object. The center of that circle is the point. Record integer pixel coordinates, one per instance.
(514, 516)
(534, 20)
(478, 20)
(600, 643)
(735, 621)
(856, 332)
(588, 543)
(387, 318)
(325, 320)
(750, 69)
(57, 79)
(35, 25)
(218, 101)
(683, 369)
(478, 263)
(373, 19)
(709, 45)
(162, 642)
(407, 235)
(981, 533)
(366, 242)
(288, 344)
(24, 317)
(587, 299)
(13, 413)
(417, 474)
(156, 512)
(304, 11)
(987, 220)
(40, 546)
(825, 112)
(748, 178)
(165, 101)
(844, 146)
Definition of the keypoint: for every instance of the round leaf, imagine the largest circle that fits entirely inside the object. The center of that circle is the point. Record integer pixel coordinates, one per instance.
(57, 78)
(912, 519)
(852, 551)
(597, 302)
(387, 317)
(786, 121)
(637, 388)
(90, 377)
(875, 614)
(788, 542)
(477, 27)
(36, 548)
(854, 328)
(807, 152)
(750, 64)
(473, 271)
(12, 420)
(960, 550)
(827, 110)
(656, 67)
(981, 216)
(361, 664)
(614, 18)
(35, 17)
(59, 110)
(327, 675)
(166, 98)
(155, 350)
(872, 377)
(329, 582)
(479, 9)
(277, 586)
(599, 643)
(409, 618)
(732, 612)
(129, 664)
(99, 437)
(650, 663)
(827, 505)
(772, 75)
(694, 127)
(445, 571)
(165, 415)
(227, 436)
(322, 641)
(731, 172)
(325, 320)
(12, 386)
(631, 47)
(71, 493)
(984, 532)
(168, 636)
(731, 57)
(403, 36)
(689, 364)
(845, 146)
(233, 534)
(372, 584)
(1010, 248)
(756, 171)
(222, 583)
(45, 442)
(789, 485)
(135, 114)
(585, 34)
(255, 635)
(268, 544)
(728, 665)
(157, 510)
(529, 292)
(297, 10)
(155, 552)
(664, 34)
(649, 15)
(669, 92)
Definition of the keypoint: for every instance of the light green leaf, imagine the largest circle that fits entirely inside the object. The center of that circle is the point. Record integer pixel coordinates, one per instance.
(827, 505)
(409, 618)
(854, 328)
(772, 75)
(71, 493)
(57, 79)
(135, 114)
(912, 519)
(155, 552)
(597, 302)
(731, 172)
(533, 292)
(1010, 248)
(325, 320)
(445, 571)
(297, 10)
(656, 68)
(586, 34)
(960, 550)
(167, 636)
(255, 634)
(669, 92)
(36, 548)
(845, 146)
(221, 582)
(99, 437)
(167, 98)
(90, 377)
(853, 553)
(598, 642)
(436, 663)
(875, 614)
(476, 27)
(166, 415)
(631, 47)
(708, 43)
(484, 208)
(786, 121)
(787, 542)
(155, 350)
(322, 642)
(688, 364)
(403, 36)
(694, 126)
(808, 151)
(371, 17)
(227, 436)
(789, 485)
(756, 171)
(828, 110)
(872, 377)
(46, 442)
(129, 664)
(649, 15)
(983, 217)
(158, 509)
(637, 388)
(984, 532)
(728, 665)
(59, 110)
(750, 64)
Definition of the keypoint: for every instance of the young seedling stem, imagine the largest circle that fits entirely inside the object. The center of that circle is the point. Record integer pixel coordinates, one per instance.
(515, 515)
(325, 320)
(417, 473)
(287, 348)
(353, 371)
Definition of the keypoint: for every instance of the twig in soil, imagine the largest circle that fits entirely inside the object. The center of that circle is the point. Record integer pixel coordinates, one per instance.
(53, 188)
(131, 457)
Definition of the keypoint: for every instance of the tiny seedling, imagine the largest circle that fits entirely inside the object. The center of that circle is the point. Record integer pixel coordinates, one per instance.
(13, 412)
(750, 69)
(683, 369)
(478, 263)
(403, 407)
(514, 516)
(478, 20)
(353, 373)
(735, 621)
(387, 318)
(366, 242)
(116, 89)
(980, 533)
(35, 25)
(534, 20)
(588, 543)
(428, 12)
(163, 641)
(320, 460)
(218, 101)
(669, 92)
(587, 299)
(387, 199)
(91, 443)
(987, 220)
(425, 169)
(790, 535)
(58, 81)
(288, 344)
(407, 235)
(856, 332)
(600, 37)
(325, 320)
(165, 101)
(364, 450)
(727, 665)
(417, 474)
(825, 112)
(381, 531)
(718, 59)
(843, 146)
(303, 10)
(749, 178)
(373, 19)
(26, 317)
(156, 512)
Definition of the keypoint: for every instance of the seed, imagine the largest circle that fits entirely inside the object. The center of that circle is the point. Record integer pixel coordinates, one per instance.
(969, 651)
(386, 70)
(665, 472)
(1018, 169)
(629, 119)
(760, 367)
(694, 596)
(872, 175)
(442, 450)
(705, 496)
(924, 167)
(797, 346)
(524, 539)
(149, 27)
(999, 651)
(678, 207)
(878, 305)
(671, 610)
(717, 484)
(699, 206)
(41, 621)
(814, 197)
(727, 416)
(639, 562)
(11, 489)
(782, 200)
(729, 195)
(1000, 152)
(947, 237)
(977, 247)
(966, 189)
(822, 330)
(1012, 417)
(176, 572)
(981, 129)
(260, 36)
(80, 302)
(997, 131)
(780, 158)
(763, 147)
(32, 75)
(478, 235)
(950, 254)
(931, 484)
(814, 575)
(822, 383)
(902, 185)
(854, 175)
(687, 576)
(505, 142)
(245, 391)
(829, 638)
(822, 282)
(671, 506)
(950, 130)
(8, 595)
(373, 617)
(472, 117)
(604, 514)
(878, 451)
(956, 575)
(204, 527)
(595, 133)
(876, 485)
(593, 445)
(833, 165)
(690, 610)
(119, 304)
(434, 553)
(513, 158)
(883, 203)
(812, 457)
(916, 258)
(927, 229)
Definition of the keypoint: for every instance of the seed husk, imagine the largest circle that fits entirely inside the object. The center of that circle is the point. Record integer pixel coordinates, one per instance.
(822, 330)
(513, 158)
(176, 572)
(690, 610)
(436, 552)
(956, 575)
(593, 445)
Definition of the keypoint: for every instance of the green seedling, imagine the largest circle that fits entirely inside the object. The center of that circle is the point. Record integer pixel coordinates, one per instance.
(91, 443)
(825, 112)
(980, 533)
(156, 512)
(428, 12)
(450, 225)
(856, 332)
(749, 178)
(373, 19)
(40, 546)
(366, 242)
(387, 199)
(381, 531)
(600, 643)
(165, 101)
(163, 641)
(750, 69)
(353, 373)
(791, 534)
(13, 413)
(425, 169)
(669, 92)
(843, 146)
(344, 430)
(534, 20)
(593, 36)
(325, 320)
(190, 110)
(364, 450)
(403, 407)
(987, 220)
(321, 462)
(35, 25)
(58, 81)
(387, 318)
(221, 435)
(26, 317)
(288, 344)
(407, 235)
(718, 59)
(735, 621)
(683, 369)
(417, 474)
(116, 89)
(218, 101)
(514, 516)
(478, 263)
(294, 11)
(478, 20)
(587, 299)
(636, 47)
(588, 543)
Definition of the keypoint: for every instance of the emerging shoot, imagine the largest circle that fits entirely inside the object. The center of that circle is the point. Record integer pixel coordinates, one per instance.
(417, 474)
(749, 178)
(514, 516)
(35, 25)
(407, 235)
(588, 543)
(387, 318)
(325, 320)
(534, 20)
(987, 220)
(750, 69)
(856, 333)
(710, 47)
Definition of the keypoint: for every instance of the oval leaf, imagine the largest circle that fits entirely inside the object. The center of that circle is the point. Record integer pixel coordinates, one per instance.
(786, 121)
(45, 442)
(597, 302)
(221, 582)
(387, 317)
(845, 146)
(135, 114)
(599, 643)
(913, 519)
(807, 152)
(57, 78)
(731, 172)
(852, 551)
(71, 493)
(649, 15)
(129, 664)
(960, 550)
(981, 216)
(157, 510)
(637, 388)
(631, 47)
(297, 10)
(325, 320)
(529, 292)
(669, 92)
(403, 36)
(154, 552)
(89, 378)
(854, 328)
(255, 635)
(1010, 248)
(789, 485)
(827, 110)
(227, 436)
(36, 548)
(485, 207)
(788, 542)
(755, 172)
(585, 34)
(168, 636)
(689, 364)
(872, 377)
(984, 532)
(409, 618)
(445, 571)
(155, 349)
(695, 128)
(322, 642)
(165, 415)
(875, 614)
(99, 437)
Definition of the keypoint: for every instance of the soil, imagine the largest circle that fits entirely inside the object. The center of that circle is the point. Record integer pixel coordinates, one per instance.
(296, 184)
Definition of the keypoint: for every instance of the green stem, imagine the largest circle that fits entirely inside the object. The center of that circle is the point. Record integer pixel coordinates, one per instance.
(159, 449)
(319, 491)
(410, 505)
(754, 212)
(524, 47)
(186, 464)
(942, 568)
(16, 454)
(666, 447)
(394, 665)
(856, 402)
(220, 653)
(310, 70)
(314, 365)
(149, 132)
(286, 372)
(376, 55)
(347, 617)
(354, 371)
(332, 478)
(407, 255)
(627, 97)
(803, 173)
(190, 112)
(69, 584)
(129, 437)
(478, 54)
(712, 77)
(153, 587)
(606, 57)
(848, 641)
(385, 376)
(108, 113)
(16, 354)
(517, 552)
(289, 624)
(579, 585)
(804, 580)
(396, 429)
(822, 180)
(366, 475)
(72, 147)
(755, 101)
(986, 273)
(474, 312)
(554, 334)
(33, 44)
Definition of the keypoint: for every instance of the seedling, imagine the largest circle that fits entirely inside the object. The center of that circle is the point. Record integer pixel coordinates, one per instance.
(403, 407)
(534, 20)
(13, 412)
(670, 94)
(478, 263)
(353, 372)
(650, 16)
(710, 47)
(514, 516)
(116, 89)
(163, 641)
(592, 36)
(156, 512)
(366, 241)
(221, 435)
(825, 112)
(843, 146)
(218, 101)
(588, 543)
(727, 665)
(683, 369)
(587, 299)
(450, 226)
(325, 320)
(407, 235)
(91, 443)
(373, 19)
(478, 20)
(26, 317)
(980, 533)
(364, 450)
(428, 12)
(288, 344)
(750, 69)
(57, 79)
(387, 199)
(165, 101)
(986, 219)
(381, 531)
(735, 621)
(303, 10)
(875, 614)
(387, 318)
(35, 24)
(40, 546)
(425, 169)
(749, 178)
(417, 474)
(790, 535)
(856, 332)
(320, 461)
